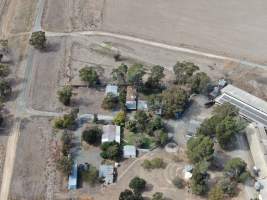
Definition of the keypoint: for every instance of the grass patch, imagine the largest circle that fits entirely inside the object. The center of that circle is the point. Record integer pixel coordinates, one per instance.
(139, 140)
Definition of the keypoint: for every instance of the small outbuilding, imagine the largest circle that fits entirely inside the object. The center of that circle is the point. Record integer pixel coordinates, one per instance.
(107, 173)
(129, 151)
(142, 105)
(131, 98)
(72, 185)
(113, 89)
(111, 133)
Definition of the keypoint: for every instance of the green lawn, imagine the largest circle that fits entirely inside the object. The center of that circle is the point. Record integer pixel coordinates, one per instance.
(147, 141)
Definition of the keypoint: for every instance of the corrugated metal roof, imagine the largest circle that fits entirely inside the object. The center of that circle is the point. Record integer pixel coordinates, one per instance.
(107, 172)
(246, 97)
(129, 151)
(111, 133)
(73, 177)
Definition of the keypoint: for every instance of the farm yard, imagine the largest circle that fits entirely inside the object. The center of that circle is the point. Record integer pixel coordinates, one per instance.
(69, 127)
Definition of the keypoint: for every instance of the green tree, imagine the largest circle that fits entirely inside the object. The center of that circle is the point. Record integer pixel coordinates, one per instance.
(225, 130)
(64, 164)
(119, 74)
(5, 90)
(90, 175)
(135, 75)
(65, 94)
(92, 135)
(120, 119)
(183, 71)
(200, 83)
(38, 40)
(89, 75)
(174, 100)
(216, 193)
(200, 148)
(67, 121)
(208, 126)
(156, 123)
(234, 168)
(137, 184)
(111, 150)
(199, 181)
(142, 120)
(129, 195)
(4, 70)
(110, 102)
(155, 77)
(158, 196)
(228, 186)
(161, 137)
(226, 109)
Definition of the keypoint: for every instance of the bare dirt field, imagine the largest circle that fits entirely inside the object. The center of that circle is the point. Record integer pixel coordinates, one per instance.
(235, 28)
(69, 15)
(33, 167)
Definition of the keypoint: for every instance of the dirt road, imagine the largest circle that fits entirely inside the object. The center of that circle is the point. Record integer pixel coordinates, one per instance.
(9, 161)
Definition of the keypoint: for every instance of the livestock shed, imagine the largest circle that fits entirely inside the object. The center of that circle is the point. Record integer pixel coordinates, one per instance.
(250, 106)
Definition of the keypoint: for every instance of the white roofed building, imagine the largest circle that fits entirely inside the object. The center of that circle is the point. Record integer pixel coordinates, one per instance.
(111, 133)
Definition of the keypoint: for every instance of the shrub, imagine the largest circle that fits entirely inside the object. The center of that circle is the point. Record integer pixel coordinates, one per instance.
(4, 70)
(64, 164)
(155, 163)
(120, 119)
(228, 186)
(89, 75)
(110, 102)
(92, 135)
(90, 175)
(216, 193)
(111, 150)
(137, 184)
(38, 40)
(234, 168)
(66, 140)
(65, 95)
(178, 182)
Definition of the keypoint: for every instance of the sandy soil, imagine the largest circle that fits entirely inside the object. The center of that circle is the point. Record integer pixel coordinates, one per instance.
(235, 28)
(31, 174)
(69, 15)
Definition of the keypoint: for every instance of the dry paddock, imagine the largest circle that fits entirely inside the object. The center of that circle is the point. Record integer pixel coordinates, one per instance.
(33, 167)
(66, 55)
(235, 28)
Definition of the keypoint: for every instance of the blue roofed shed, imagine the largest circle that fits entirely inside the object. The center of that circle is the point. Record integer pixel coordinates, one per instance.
(73, 177)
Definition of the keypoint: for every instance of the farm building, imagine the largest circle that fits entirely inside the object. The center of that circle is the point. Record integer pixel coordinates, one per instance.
(131, 98)
(107, 173)
(111, 133)
(73, 177)
(250, 106)
(129, 151)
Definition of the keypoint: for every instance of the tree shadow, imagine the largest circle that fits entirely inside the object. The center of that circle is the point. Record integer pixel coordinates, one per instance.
(51, 47)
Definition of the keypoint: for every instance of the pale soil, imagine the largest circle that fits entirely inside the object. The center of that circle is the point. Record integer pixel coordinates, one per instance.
(32, 166)
(73, 15)
(235, 28)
